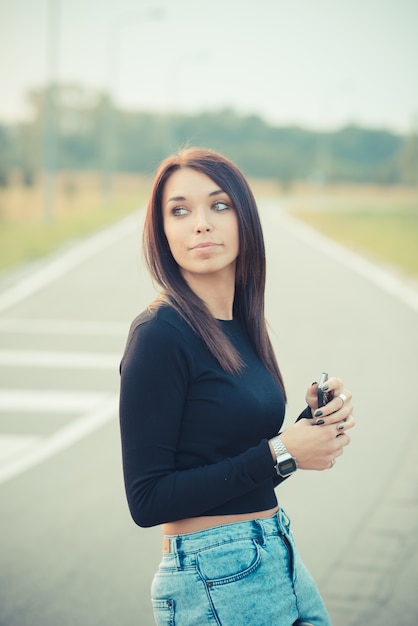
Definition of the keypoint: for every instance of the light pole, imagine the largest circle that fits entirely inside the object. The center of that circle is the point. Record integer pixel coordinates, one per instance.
(112, 71)
(50, 113)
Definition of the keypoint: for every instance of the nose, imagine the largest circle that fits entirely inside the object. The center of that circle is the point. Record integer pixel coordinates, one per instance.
(202, 223)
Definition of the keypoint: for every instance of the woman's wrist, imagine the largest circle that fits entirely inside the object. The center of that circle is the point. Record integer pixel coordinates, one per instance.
(277, 447)
(273, 454)
(285, 463)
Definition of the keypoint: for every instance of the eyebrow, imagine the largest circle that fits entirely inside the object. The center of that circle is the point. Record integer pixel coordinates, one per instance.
(183, 198)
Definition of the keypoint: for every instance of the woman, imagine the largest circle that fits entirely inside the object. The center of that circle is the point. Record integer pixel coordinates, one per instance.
(202, 403)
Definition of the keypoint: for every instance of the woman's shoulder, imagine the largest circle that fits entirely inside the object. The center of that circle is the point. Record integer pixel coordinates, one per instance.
(158, 327)
(159, 318)
(159, 333)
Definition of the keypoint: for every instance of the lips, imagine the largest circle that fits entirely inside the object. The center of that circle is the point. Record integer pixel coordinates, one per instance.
(204, 244)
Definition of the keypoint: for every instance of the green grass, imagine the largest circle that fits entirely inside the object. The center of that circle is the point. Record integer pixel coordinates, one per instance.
(388, 235)
(25, 242)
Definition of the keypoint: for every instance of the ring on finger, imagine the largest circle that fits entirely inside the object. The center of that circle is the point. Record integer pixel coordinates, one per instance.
(343, 397)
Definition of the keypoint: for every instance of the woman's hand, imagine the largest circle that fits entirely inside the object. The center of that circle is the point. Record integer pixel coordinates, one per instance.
(336, 387)
(316, 443)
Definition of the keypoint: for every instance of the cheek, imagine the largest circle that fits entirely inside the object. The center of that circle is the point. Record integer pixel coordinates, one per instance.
(174, 241)
(235, 237)
(169, 232)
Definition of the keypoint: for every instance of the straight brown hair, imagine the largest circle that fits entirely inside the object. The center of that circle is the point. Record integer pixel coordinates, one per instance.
(250, 270)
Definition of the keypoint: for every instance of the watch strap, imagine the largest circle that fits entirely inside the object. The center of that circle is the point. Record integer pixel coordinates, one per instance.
(278, 446)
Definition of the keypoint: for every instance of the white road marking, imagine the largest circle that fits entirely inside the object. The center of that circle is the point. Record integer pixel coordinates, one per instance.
(10, 445)
(64, 327)
(21, 452)
(47, 447)
(49, 401)
(68, 260)
(57, 359)
(360, 265)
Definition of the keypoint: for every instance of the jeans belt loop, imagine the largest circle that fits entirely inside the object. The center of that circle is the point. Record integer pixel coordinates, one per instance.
(166, 545)
(261, 531)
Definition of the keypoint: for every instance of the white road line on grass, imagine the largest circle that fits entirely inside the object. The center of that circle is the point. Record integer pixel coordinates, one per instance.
(57, 359)
(374, 273)
(47, 447)
(15, 444)
(68, 260)
(49, 401)
(63, 327)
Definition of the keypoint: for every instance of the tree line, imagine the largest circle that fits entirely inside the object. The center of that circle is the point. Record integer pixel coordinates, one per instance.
(72, 128)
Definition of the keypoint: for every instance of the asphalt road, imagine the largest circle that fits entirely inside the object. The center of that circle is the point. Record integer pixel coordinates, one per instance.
(70, 553)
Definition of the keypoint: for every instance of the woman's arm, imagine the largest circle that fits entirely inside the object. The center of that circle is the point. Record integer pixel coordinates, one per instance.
(155, 374)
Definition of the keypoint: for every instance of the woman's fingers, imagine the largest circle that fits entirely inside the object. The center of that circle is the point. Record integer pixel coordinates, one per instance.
(345, 424)
(334, 446)
(337, 409)
(341, 441)
(341, 399)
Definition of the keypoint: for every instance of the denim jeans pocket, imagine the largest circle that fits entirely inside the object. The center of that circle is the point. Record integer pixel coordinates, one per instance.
(163, 611)
(228, 562)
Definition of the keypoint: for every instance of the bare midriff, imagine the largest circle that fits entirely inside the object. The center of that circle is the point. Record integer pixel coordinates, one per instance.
(194, 524)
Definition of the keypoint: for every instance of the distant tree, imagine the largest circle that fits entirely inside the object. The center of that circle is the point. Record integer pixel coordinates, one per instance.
(90, 133)
(28, 148)
(364, 155)
(408, 157)
(6, 155)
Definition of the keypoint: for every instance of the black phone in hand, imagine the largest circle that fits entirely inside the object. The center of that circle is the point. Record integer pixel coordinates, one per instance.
(323, 396)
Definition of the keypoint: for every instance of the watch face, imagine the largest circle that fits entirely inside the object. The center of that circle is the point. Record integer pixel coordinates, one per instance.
(287, 467)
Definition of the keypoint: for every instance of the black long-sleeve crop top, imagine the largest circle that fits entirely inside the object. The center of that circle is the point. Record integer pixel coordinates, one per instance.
(194, 438)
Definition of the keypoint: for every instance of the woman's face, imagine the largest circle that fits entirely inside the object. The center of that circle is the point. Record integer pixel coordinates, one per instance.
(200, 224)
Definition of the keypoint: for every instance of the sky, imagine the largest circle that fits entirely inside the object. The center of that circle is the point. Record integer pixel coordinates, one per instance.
(319, 64)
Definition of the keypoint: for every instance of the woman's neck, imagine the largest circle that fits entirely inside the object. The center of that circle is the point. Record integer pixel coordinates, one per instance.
(216, 292)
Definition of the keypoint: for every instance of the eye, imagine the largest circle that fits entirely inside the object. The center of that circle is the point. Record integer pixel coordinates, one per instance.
(220, 206)
(178, 211)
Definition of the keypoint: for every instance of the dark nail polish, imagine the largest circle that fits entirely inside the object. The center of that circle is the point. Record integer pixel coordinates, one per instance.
(319, 422)
(314, 383)
(341, 427)
(325, 388)
(318, 413)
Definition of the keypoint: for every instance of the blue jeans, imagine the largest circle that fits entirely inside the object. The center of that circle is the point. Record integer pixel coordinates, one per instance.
(241, 574)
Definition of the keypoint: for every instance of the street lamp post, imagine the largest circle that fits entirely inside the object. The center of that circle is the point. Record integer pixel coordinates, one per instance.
(50, 113)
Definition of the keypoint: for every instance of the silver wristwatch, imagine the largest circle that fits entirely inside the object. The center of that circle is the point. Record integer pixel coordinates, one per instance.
(286, 464)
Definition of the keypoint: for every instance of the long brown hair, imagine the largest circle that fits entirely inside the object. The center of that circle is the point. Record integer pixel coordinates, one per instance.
(251, 262)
